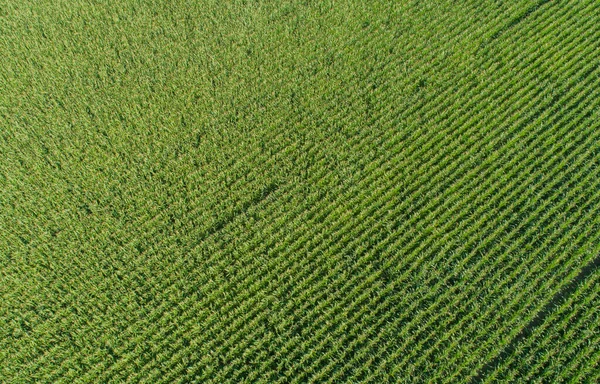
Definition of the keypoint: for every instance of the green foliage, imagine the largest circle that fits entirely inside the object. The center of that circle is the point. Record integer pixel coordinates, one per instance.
(299, 191)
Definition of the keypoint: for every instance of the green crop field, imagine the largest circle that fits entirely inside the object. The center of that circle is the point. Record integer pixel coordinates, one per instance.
(299, 191)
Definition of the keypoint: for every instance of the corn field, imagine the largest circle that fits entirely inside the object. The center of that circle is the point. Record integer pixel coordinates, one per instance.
(201, 191)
